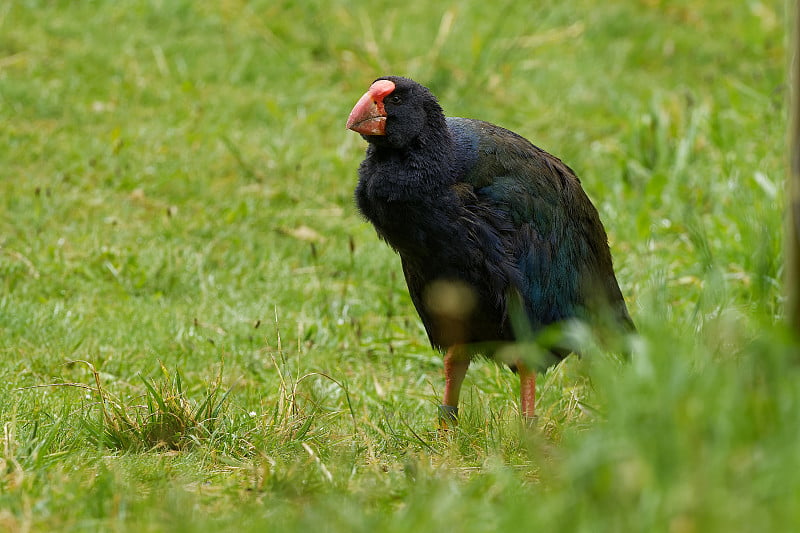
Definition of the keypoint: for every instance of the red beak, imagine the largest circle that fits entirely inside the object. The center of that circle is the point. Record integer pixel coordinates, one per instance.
(368, 117)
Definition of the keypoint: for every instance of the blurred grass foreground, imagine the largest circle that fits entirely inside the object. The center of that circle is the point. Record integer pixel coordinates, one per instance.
(199, 333)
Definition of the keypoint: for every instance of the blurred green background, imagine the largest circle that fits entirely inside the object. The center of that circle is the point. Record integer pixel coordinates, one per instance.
(199, 332)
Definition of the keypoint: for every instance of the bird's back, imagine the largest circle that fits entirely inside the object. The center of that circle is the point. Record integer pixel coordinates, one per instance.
(557, 244)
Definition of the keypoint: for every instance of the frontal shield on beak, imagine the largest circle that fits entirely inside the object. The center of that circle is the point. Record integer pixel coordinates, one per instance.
(368, 117)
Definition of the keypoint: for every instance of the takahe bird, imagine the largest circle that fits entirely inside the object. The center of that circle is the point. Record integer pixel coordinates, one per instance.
(488, 227)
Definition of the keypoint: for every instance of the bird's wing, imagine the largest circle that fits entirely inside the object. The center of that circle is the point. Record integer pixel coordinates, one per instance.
(558, 244)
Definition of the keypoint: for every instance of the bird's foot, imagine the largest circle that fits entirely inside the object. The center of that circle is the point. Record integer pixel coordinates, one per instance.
(530, 422)
(448, 417)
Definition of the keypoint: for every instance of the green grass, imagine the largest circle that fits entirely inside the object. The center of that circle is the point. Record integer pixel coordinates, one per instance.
(198, 332)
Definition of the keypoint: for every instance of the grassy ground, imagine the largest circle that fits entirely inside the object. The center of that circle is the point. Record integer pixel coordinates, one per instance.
(197, 331)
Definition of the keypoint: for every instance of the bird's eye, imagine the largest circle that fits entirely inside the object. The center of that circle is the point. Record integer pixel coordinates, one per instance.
(394, 99)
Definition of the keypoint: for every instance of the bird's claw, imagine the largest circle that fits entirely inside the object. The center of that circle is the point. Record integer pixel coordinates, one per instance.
(530, 422)
(448, 417)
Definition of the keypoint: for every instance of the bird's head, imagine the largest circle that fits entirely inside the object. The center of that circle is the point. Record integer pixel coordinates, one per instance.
(395, 111)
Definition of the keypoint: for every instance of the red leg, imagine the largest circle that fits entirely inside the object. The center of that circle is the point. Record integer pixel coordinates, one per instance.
(456, 363)
(527, 392)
